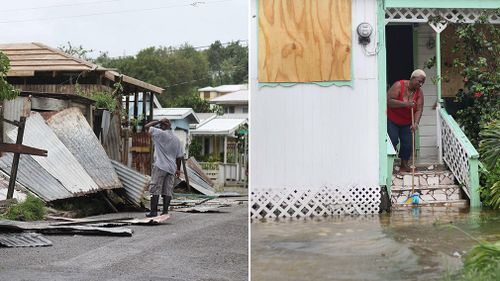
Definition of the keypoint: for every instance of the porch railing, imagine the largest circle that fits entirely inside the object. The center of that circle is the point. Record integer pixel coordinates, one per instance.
(211, 169)
(224, 174)
(460, 156)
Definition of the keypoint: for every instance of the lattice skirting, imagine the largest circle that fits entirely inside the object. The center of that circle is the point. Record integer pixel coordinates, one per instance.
(325, 201)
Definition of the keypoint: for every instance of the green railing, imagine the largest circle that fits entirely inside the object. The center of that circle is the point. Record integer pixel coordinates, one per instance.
(460, 156)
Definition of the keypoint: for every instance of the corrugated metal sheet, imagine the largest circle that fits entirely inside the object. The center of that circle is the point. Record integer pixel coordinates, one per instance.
(112, 142)
(60, 163)
(24, 239)
(35, 178)
(197, 182)
(13, 110)
(72, 129)
(135, 183)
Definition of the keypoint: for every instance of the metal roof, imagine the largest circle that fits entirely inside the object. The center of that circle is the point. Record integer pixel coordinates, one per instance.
(60, 162)
(176, 114)
(219, 126)
(27, 58)
(36, 179)
(71, 127)
(135, 183)
(238, 97)
(224, 88)
(23, 239)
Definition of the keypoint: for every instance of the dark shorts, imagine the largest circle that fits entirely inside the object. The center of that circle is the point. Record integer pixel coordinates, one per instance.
(162, 183)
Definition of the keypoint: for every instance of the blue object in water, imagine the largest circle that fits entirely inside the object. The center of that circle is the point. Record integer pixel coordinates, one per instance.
(415, 198)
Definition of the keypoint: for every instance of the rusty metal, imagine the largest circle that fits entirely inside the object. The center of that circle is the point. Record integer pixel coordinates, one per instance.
(141, 152)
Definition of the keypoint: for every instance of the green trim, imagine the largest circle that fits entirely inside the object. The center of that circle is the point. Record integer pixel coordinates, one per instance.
(475, 200)
(438, 67)
(482, 4)
(382, 96)
(462, 138)
(391, 156)
(322, 84)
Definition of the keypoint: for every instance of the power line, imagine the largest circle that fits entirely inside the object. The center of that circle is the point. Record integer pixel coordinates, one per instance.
(111, 13)
(57, 6)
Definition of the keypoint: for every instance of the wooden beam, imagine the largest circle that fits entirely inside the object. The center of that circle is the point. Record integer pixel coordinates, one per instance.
(22, 149)
(15, 161)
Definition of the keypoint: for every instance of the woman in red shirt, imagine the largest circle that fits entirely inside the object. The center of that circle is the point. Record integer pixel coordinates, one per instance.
(401, 97)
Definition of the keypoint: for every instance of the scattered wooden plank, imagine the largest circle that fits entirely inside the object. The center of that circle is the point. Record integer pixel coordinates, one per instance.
(149, 221)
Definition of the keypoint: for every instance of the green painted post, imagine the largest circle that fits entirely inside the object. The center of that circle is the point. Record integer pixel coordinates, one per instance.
(475, 200)
(382, 99)
(438, 66)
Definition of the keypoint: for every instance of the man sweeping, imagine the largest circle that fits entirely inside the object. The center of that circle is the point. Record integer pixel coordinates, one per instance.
(167, 162)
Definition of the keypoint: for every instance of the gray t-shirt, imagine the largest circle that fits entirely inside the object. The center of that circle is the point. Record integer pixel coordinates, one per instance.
(167, 149)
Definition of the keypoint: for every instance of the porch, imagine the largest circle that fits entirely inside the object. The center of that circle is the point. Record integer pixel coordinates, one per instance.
(440, 144)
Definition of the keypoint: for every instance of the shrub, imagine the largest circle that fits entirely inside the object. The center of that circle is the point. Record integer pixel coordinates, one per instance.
(30, 210)
(104, 100)
(489, 149)
(478, 42)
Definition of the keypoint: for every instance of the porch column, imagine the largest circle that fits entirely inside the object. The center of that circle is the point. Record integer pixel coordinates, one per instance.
(225, 149)
(438, 66)
(438, 28)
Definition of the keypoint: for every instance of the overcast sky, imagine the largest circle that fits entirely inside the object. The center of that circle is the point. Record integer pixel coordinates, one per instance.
(123, 27)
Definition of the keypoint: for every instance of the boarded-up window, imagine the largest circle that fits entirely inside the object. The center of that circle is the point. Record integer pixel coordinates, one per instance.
(304, 41)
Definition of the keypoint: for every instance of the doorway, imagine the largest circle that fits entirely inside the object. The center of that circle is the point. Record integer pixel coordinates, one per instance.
(399, 45)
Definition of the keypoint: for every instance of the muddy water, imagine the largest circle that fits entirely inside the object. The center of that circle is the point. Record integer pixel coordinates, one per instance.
(408, 244)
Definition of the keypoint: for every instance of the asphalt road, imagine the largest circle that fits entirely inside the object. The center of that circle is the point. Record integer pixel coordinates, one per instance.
(209, 246)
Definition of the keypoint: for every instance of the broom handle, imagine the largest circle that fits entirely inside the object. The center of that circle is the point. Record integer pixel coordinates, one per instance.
(412, 153)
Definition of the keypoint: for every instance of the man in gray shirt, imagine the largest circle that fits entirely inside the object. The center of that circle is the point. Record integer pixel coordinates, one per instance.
(167, 162)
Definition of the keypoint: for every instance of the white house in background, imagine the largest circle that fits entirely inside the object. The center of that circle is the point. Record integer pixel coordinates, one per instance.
(181, 119)
(209, 93)
(224, 137)
(235, 102)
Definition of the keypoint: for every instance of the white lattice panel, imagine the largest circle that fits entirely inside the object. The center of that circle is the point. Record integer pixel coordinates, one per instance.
(296, 203)
(455, 155)
(424, 14)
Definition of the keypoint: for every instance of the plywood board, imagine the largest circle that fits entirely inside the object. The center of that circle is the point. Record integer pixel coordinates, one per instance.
(304, 41)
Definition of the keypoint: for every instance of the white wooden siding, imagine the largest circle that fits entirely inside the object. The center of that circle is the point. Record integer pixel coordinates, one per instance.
(308, 136)
(428, 140)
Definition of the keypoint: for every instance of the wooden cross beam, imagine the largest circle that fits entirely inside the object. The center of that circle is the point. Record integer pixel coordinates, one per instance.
(18, 148)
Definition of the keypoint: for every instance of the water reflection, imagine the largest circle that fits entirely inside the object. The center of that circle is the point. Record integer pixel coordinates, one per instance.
(408, 244)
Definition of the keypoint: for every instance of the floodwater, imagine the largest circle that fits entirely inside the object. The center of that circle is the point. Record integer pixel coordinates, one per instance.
(407, 244)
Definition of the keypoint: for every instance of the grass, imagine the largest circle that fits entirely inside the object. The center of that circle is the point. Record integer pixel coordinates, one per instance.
(31, 209)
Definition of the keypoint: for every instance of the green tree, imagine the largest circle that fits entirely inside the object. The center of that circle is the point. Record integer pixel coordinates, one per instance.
(181, 71)
(228, 65)
(7, 92)
(479, 63)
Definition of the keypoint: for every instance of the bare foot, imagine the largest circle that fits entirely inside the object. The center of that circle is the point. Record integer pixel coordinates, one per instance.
(404, 169)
